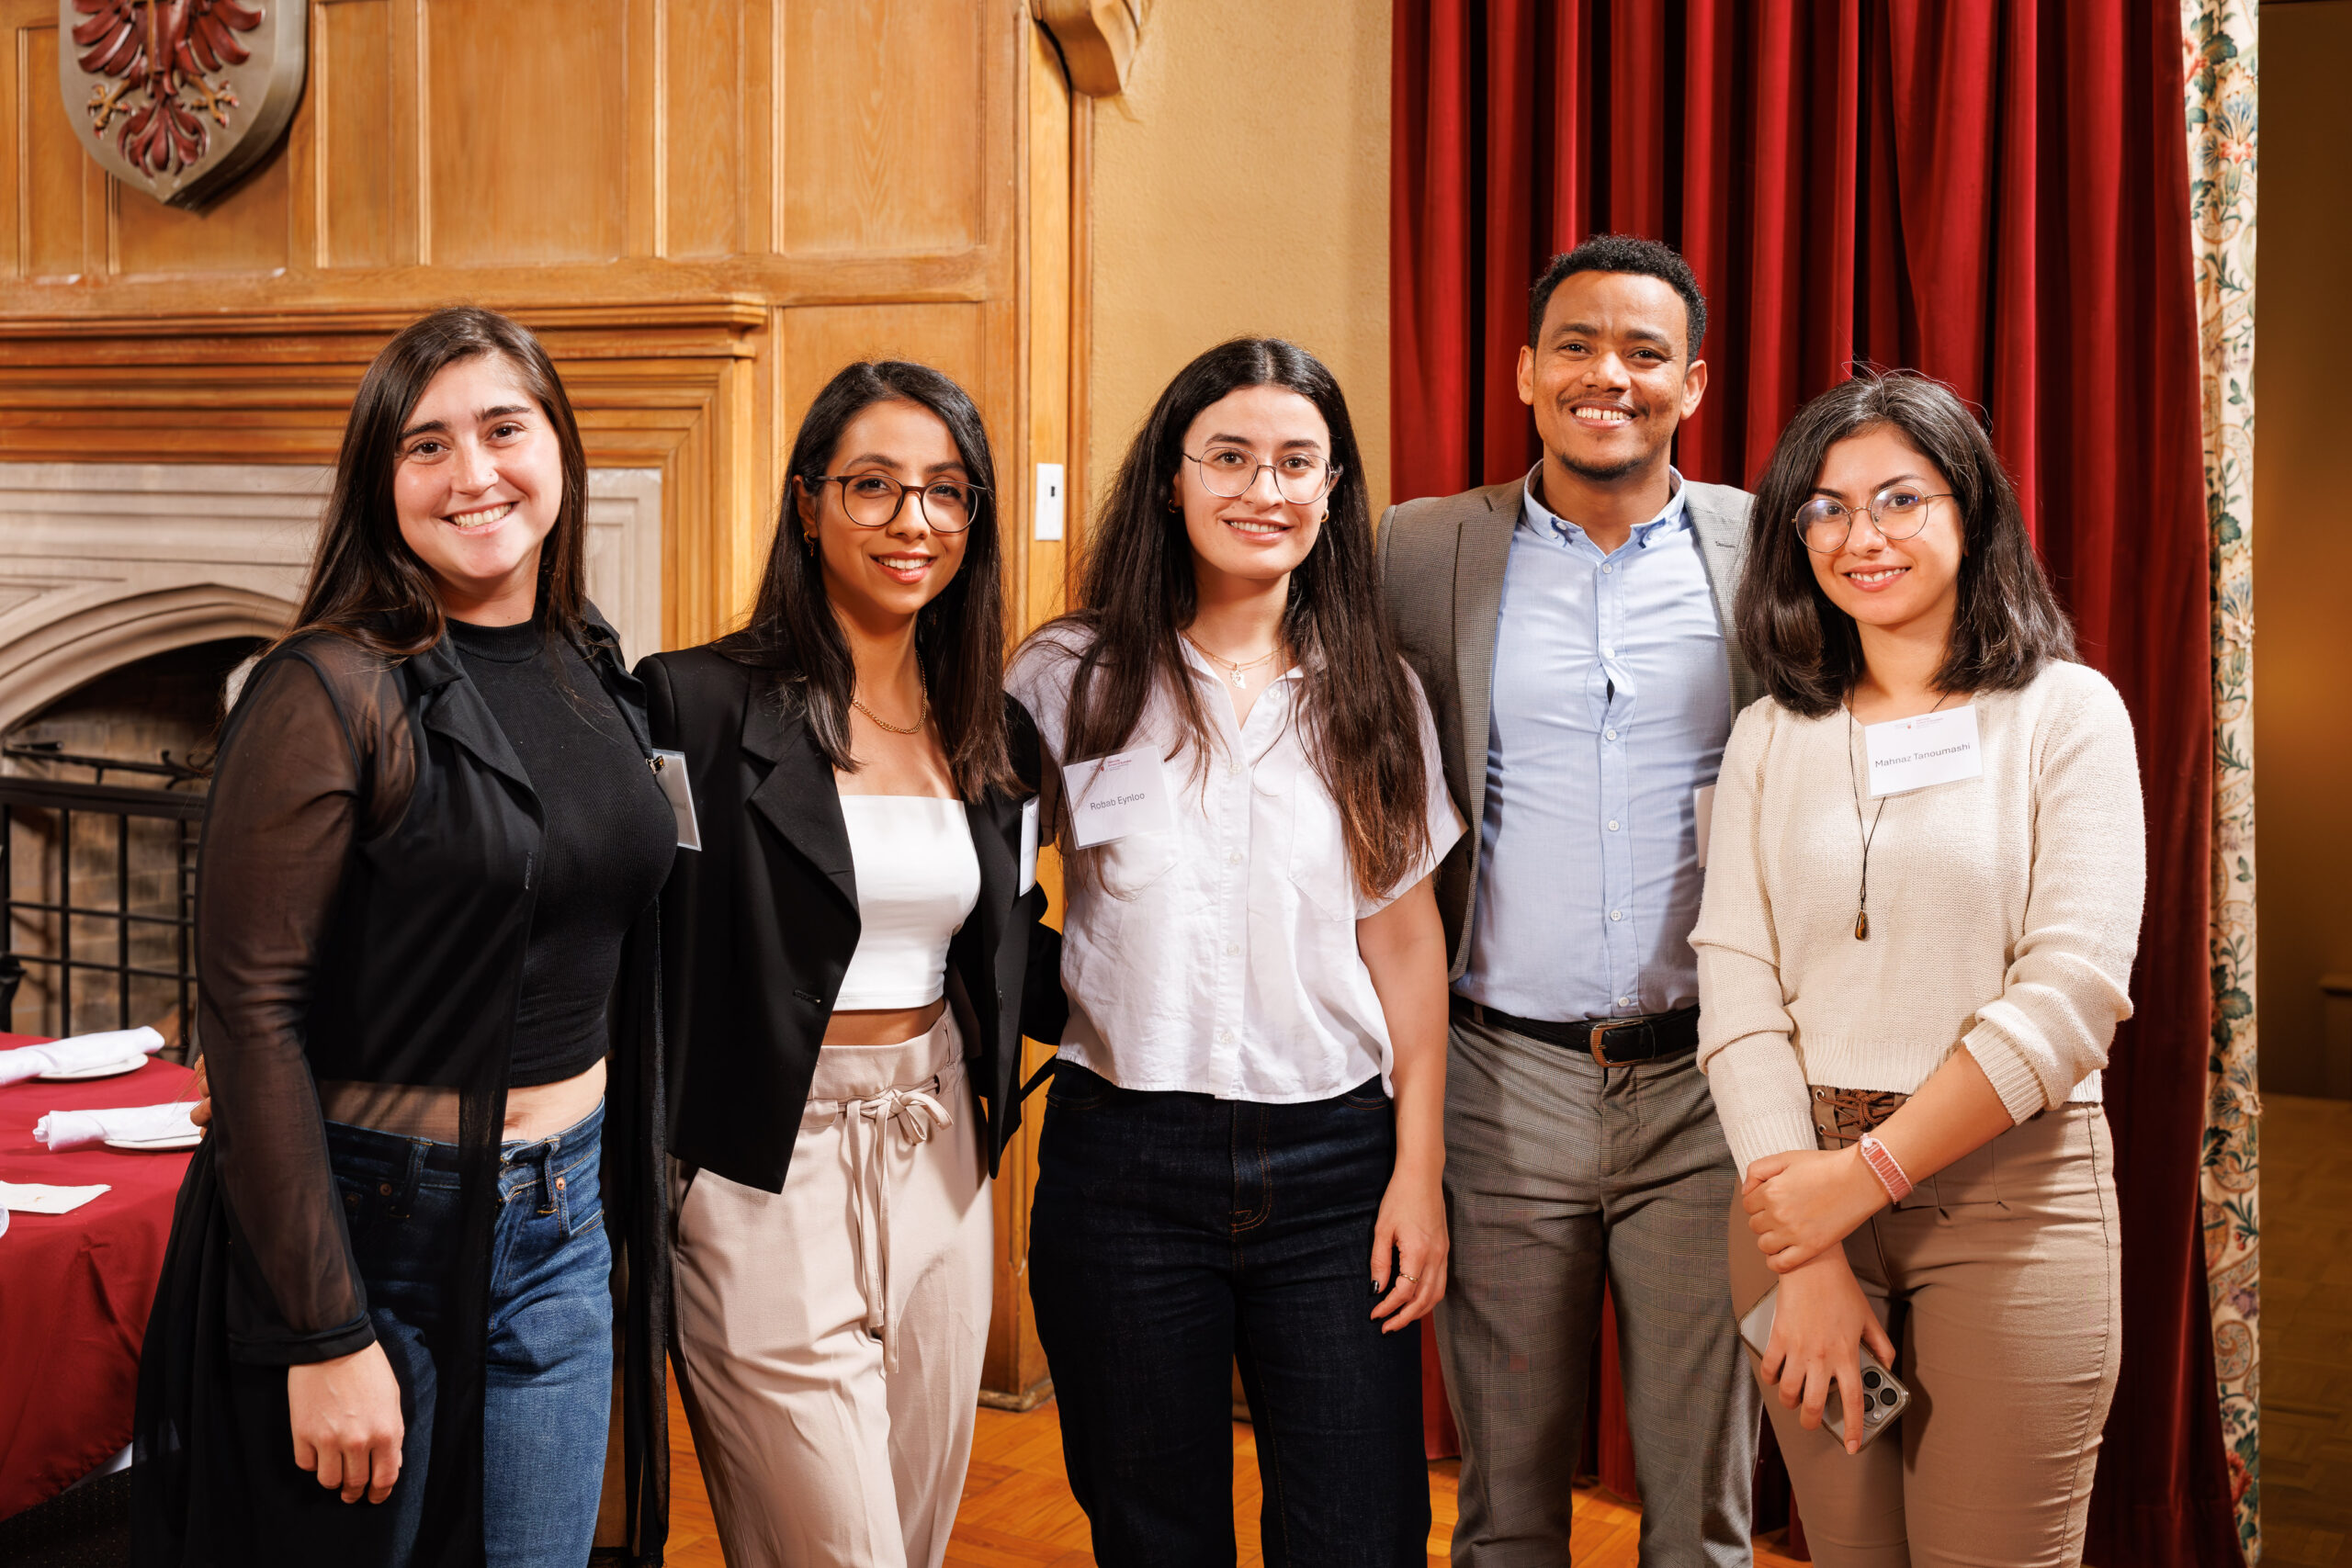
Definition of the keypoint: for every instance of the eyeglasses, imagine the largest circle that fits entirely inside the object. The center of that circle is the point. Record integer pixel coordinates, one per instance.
(1899, 512)
(875, 500)
(1299, 477)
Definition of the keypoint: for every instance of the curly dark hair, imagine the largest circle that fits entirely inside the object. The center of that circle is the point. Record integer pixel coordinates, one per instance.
(1623, 253)
(2008, 623)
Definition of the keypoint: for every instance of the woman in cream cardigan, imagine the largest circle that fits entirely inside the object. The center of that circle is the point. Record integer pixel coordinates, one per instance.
(1923, 899)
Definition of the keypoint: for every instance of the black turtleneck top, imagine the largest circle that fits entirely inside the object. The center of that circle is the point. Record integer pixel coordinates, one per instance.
(609, 837)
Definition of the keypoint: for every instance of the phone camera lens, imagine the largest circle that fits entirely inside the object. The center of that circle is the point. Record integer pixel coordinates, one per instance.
(1886, 1396)
(1870, 1378)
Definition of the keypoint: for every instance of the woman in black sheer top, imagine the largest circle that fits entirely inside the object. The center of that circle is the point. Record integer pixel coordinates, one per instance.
(384, 1329)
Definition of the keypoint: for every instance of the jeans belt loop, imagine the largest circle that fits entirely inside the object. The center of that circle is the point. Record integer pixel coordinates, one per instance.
(403, 1201)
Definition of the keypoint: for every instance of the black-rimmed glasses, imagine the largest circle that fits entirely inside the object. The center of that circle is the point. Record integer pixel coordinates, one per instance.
(875, 500)
(1898, 512)
(1299, 477)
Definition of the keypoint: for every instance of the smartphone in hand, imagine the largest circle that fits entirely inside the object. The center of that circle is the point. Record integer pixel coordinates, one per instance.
(1882, 1397)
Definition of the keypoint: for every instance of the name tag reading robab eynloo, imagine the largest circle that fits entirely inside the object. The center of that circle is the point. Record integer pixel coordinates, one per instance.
(1913, 753)
(1113, 796)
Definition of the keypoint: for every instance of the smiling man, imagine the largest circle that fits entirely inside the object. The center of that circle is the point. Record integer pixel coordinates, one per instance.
(1569, 628)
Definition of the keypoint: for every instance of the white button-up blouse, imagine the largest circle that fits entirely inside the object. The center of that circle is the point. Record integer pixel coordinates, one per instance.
(1219, 955)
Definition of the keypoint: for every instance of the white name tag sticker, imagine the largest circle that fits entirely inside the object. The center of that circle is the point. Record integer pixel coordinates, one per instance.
(1913, 753)
(1028, 844)
(670, 773)
(1113, 796)
(1702, 801)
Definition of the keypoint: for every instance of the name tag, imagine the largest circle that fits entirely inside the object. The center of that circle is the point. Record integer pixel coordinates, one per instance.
(1113, 796)
(670, 773)
(1913, 753)
(1702, 801)
(1028, 844)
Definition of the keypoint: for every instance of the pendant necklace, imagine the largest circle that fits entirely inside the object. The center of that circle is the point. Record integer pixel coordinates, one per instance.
(914, 729)
(1234, 673)
(1862, 906)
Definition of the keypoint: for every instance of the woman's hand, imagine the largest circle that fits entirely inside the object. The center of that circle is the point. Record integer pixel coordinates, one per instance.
(1803, 1204)
(1818, 1327)
(201, 1111)
(347, 1426)
(1412, 1230)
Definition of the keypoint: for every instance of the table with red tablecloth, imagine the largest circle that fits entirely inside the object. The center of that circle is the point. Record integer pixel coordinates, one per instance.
(76, 1289)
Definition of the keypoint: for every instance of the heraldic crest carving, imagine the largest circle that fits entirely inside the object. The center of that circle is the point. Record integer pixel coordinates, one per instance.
(178, 98)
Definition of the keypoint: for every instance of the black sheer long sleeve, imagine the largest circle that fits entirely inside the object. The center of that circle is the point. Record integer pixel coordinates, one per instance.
(299, 782)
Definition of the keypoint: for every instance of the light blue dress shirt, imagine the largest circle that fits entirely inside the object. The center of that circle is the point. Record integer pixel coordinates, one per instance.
(1611, 705)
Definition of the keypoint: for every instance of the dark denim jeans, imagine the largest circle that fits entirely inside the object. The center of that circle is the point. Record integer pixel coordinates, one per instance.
(1174, 1234)
(547, 1402)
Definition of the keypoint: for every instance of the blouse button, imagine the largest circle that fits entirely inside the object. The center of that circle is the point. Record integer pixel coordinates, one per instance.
(1233, 858)
(1223, 1035)
(1616, 914)
(1231, 948)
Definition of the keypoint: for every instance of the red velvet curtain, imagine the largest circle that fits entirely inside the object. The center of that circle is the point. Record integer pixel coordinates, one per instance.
(1995, 192)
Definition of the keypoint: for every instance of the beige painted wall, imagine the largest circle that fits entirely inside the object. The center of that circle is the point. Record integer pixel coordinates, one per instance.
(2303, 532)
(1241, 186)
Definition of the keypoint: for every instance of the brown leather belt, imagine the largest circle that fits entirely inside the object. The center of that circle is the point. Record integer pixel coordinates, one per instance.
(1612, 1042)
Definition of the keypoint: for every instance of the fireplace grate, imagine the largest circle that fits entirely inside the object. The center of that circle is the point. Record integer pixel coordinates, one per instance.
(98, 903)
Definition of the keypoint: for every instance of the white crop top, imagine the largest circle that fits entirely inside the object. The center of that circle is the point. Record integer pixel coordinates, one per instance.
(916, 879)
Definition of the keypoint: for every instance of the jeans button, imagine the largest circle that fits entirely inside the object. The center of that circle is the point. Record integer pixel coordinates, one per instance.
(558, 1181)
(385, 1187)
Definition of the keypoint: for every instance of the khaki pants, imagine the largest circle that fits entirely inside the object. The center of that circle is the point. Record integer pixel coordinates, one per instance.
(830, 1336)
(1998, 1282)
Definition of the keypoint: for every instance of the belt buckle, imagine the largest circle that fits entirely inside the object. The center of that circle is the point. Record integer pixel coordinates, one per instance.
(1599, 1046)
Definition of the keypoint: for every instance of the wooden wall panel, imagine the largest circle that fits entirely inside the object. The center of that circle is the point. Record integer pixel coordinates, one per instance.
(703, 64)
(820, 339)
(54, 179)
(359, 191)
(249, 230)
(882, 131)
(524, 164)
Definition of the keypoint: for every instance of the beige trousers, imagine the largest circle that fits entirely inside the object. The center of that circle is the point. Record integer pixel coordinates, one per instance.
(1998, 1282)
(830, 1336)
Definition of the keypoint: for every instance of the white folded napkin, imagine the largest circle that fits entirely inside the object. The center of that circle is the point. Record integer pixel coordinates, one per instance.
(80, 1051)
(71, 1129)
(37, 1197)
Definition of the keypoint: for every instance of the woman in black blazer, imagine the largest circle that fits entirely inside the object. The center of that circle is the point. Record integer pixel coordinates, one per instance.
(846, 961)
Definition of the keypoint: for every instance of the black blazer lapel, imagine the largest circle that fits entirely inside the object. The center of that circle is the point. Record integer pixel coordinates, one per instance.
(799, 797)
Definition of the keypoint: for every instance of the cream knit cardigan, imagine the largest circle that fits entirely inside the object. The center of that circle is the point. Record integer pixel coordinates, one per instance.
(2005, 911)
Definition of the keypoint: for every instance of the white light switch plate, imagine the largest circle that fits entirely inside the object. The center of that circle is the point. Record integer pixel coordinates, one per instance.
(1049, 501)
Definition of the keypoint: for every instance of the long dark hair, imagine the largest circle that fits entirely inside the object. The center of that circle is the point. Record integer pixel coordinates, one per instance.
(2007, 623)
(365, 583)
(1355, 710)
(959, 635)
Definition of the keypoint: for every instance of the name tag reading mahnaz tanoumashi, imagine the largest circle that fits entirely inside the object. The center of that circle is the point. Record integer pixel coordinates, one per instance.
(1913, 753)
(1113, 796)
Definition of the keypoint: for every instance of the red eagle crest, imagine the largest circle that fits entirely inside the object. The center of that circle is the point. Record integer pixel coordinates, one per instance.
(172, 49)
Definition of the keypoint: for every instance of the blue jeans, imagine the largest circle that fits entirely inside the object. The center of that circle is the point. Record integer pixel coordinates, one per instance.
(549, 1375)
(1176, 1233)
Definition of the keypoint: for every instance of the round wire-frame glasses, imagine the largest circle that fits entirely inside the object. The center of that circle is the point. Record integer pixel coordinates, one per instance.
(874, 500)
(1898, 513)
(1300, 478)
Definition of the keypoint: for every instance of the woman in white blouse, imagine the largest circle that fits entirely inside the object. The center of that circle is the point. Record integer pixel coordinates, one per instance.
(1922, 903)
(1243, 1146)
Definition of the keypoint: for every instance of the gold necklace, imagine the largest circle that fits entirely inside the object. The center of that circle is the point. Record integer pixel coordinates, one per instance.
(1233, 671)
(914, 729)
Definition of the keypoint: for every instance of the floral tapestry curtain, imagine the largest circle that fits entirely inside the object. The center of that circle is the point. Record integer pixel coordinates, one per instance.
(2219, 40)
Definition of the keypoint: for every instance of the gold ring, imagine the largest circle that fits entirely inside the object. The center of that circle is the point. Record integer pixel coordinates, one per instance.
(1413, 1278)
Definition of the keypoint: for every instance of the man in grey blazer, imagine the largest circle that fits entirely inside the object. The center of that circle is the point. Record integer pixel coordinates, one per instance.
(1573, 630)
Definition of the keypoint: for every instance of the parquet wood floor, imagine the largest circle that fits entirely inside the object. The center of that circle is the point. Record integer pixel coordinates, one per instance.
(1018, 1513)
(2306, 1330)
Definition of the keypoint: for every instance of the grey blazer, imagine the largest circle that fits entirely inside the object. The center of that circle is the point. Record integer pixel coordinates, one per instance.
(1441, 564)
